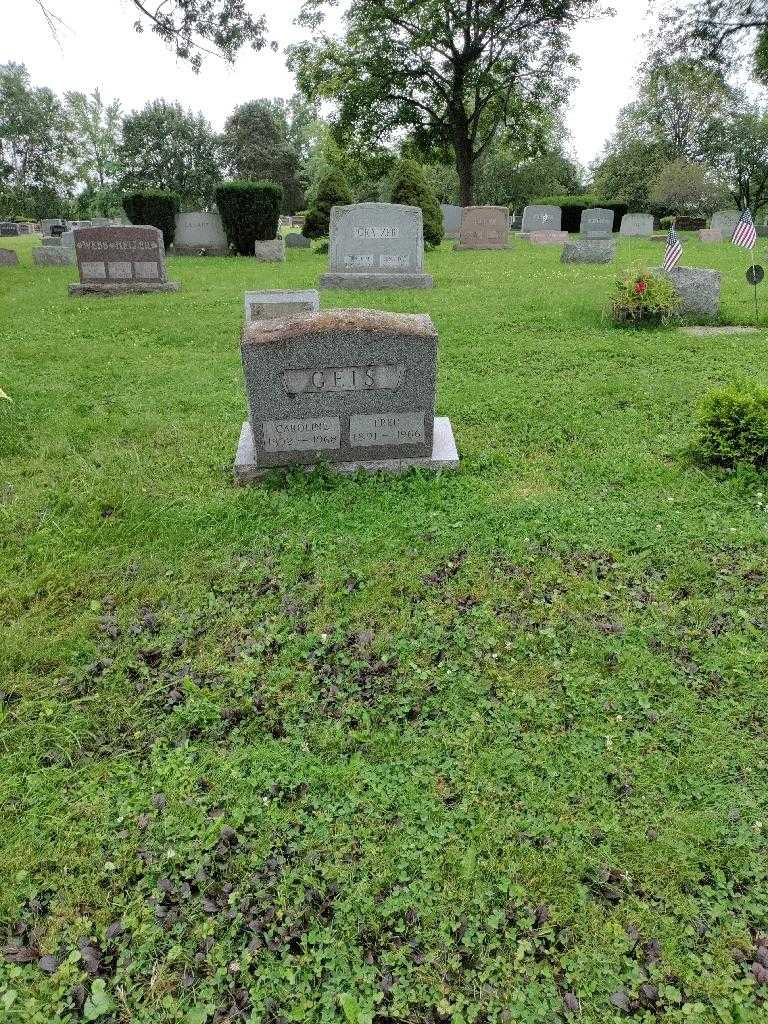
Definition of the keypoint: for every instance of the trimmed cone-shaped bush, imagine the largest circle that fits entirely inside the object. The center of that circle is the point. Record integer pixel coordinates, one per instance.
(333, 190)
(250, 212)
(411, 188)
(155, 207)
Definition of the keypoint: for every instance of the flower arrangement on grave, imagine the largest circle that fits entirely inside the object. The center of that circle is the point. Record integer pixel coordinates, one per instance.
(643, 299)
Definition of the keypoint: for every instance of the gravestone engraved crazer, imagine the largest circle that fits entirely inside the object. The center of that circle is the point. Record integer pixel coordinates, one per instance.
(200, 233)
(483, 227)
(451, 220)
(541, 218)
(351, 387)
(120, 261)
(376, 245)
(636, 225)
(596, 223)
(725, 222)
(279, 303)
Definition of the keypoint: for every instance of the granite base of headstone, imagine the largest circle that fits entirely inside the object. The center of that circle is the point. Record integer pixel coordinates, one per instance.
(53, 256)
(376, 246)
(279, 303)
(451, 220)
(710, 235)
(483, 227)
(589, 250)
(200, 234)
(9, 258)
(548, 237)
(295, 240)
(271, 251)
(698, 289)
(120, 261)
(351, 388)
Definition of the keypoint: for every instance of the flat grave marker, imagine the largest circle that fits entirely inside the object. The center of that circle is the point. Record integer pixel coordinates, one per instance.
(280, 303)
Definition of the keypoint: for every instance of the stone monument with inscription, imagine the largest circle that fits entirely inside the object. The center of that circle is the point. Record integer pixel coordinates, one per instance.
(376, 245)
(636, 225)
(596, 223)
(541, 218)
(725, 222)
(200, 234)
(483, 227)
(277, 303)
(351, 387)
(120, 261)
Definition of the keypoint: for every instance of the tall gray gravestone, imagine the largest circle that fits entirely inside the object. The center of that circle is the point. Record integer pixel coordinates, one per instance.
(541, 218)
(636, 225)
(376, 245)
(120, 261)
(451, 220)
(483, 227)
(200, 233)
(351, 387)
(596, 223)
(725, 222)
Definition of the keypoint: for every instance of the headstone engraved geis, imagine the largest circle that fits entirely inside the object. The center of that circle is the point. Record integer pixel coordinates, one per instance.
(120, 261)
(276, 303)
(376, 245)
(354, 388)
(483, 227)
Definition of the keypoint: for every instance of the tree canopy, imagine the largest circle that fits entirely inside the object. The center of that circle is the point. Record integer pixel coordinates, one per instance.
(453, 73)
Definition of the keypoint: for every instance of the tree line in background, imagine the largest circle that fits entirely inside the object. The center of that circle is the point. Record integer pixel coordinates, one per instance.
(474, 94)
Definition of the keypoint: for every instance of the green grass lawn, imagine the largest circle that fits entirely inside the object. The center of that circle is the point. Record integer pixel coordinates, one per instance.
(475, 747)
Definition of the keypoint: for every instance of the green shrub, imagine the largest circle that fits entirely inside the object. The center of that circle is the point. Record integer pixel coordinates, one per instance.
(733, 428)
(332, 190)
(156, 207)
(250, 212)
(574, 206)
(644, 300)
(666, 223)
(410, 188)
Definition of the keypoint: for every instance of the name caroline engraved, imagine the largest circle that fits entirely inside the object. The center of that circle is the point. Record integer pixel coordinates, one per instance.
(344, 378)
(309, 435)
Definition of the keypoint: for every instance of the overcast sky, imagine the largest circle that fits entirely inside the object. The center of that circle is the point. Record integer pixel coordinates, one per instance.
(99, 48)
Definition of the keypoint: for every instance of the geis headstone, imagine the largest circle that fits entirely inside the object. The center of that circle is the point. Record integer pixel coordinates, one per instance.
(280, 303)
(483, 227)
(541, 218)
(351, 387)
(376, 245)
(596, 223)
(120, 261)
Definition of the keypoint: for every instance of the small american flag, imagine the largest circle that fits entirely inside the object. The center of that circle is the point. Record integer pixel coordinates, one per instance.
(674, 252)
(745, 235)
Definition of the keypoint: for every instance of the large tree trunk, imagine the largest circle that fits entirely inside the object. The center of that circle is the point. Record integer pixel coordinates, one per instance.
(465, 170)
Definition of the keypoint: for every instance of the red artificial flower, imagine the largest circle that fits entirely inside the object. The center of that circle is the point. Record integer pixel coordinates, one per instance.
(641, 287)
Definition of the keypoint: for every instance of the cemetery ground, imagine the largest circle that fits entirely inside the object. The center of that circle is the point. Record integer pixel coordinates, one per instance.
(477, 747)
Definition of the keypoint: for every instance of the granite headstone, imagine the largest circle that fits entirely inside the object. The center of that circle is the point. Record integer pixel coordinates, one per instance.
(725, 222)
(295, 240)
(376, 245)
(636, 225)
(589, 250)
(351, 387)
(451, 220)
(280, 303)
(119, 261)
(596, 223)
(541, 218)
(483, 227)
(9, 258)
(200, 233)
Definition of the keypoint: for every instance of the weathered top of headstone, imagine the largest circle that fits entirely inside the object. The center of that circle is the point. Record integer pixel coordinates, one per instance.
(346, 385)
(597, 223)
(200, 230)
(725, 222)
(120, 259)
(276, 304)
(541, 218)
(484, 227)
(636, 225)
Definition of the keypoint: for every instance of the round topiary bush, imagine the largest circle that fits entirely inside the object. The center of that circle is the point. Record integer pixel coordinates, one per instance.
(250, 212)
(333, 190)
(645, 300)
(733, 428)
(156, 207)
(411, 188)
